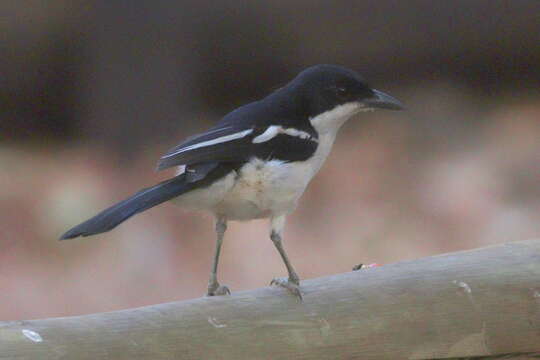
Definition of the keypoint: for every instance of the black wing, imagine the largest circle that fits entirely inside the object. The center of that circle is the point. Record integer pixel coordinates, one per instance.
(229, 143)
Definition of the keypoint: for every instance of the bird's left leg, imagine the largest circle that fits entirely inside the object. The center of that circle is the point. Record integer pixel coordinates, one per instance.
(214, 288)
(293, 282)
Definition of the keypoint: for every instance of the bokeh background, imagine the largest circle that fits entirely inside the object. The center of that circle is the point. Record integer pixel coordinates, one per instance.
(92, 93)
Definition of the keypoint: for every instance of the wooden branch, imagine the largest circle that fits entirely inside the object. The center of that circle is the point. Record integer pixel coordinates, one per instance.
(482, 303)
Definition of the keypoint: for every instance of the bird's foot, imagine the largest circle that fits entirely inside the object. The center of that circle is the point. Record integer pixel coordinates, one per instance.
(289, 284)
(216, 290)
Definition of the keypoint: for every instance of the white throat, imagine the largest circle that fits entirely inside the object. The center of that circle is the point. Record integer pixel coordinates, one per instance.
(330, 121)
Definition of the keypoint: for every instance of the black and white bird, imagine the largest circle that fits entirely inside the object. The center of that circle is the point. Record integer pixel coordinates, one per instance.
(257, 161)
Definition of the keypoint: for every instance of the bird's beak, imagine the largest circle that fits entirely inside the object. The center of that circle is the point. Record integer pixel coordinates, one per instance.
(381, 100)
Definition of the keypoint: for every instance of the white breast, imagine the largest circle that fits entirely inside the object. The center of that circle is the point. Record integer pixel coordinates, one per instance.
(271, 188)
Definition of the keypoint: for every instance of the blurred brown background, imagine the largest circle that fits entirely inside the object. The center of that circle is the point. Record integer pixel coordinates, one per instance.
(92, 93)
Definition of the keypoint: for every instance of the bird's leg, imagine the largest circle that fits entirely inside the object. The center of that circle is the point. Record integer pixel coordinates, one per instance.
(293, 282)
(214, 288)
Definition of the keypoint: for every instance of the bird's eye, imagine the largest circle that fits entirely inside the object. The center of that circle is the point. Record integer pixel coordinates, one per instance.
(341, 92)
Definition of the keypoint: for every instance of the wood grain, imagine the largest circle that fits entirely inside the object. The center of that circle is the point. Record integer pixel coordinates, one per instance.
(483, 303)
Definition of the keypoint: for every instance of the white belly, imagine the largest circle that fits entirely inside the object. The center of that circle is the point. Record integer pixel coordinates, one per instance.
(264, 189)
(260, 188)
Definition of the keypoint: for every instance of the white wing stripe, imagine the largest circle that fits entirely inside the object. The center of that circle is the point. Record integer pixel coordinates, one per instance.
(215, 141)
(295, 132)
(274, 130)
(269, 133)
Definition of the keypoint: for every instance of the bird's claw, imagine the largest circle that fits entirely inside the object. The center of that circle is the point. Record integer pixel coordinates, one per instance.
(292, 286)
(217, 290)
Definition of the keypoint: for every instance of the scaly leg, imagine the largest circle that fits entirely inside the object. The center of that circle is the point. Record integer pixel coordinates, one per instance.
(214, 288)
(293, 282)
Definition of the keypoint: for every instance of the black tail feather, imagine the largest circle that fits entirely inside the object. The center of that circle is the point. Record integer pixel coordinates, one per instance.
(143, 200)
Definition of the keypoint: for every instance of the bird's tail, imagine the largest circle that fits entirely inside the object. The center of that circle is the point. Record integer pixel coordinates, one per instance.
(143, 200)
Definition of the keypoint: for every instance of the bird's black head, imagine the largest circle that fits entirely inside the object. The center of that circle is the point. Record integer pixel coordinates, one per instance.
(323, 88)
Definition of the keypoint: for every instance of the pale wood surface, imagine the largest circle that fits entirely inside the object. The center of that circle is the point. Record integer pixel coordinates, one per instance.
(469, 304)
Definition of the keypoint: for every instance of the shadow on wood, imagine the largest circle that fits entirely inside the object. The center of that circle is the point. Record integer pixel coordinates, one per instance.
(483, 302)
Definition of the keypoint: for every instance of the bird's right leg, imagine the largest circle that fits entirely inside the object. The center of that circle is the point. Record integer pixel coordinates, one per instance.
(214, 288)
(292, 283)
